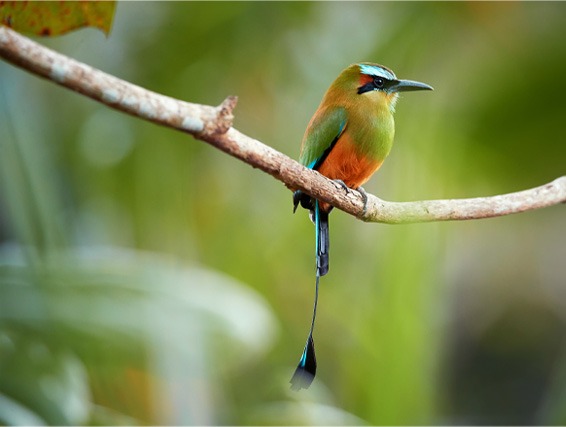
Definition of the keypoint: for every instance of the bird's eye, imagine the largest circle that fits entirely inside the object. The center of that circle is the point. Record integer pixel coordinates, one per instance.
(378, 82)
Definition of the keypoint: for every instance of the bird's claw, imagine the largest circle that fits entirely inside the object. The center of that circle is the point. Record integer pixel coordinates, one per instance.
(343, 185)
(359, 189)
(365, 199)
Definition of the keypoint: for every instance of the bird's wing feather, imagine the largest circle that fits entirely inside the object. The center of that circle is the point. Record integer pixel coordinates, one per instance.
(322, 133)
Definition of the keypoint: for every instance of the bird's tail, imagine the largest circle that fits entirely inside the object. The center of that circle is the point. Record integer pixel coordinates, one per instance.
(306, 370)
(322, 239)
(320, 219)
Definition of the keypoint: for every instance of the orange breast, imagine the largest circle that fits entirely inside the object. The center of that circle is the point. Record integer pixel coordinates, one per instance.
(345, 163)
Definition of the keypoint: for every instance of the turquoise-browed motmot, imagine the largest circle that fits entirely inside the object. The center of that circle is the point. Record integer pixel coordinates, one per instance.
(347, 139)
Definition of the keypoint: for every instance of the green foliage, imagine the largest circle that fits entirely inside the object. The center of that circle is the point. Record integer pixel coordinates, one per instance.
(148, 278)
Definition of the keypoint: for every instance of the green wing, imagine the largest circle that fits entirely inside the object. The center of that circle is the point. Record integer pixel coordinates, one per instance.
(322, 133)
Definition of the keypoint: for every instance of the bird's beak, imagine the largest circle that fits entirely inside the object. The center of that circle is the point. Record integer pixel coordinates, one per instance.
(408, 86)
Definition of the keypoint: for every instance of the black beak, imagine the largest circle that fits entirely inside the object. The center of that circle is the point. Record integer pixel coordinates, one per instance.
(408, 86)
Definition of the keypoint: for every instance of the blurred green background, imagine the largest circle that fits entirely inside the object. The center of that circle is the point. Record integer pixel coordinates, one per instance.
(147, 278)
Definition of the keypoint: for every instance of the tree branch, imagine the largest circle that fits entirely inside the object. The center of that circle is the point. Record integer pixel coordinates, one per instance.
(214, 125)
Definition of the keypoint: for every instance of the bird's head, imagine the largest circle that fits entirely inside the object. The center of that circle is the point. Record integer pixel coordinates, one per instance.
(377, 82)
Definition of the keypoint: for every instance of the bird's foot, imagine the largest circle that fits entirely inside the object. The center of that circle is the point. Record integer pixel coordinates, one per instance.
(360, 190)
(343, 185)
(365, 199)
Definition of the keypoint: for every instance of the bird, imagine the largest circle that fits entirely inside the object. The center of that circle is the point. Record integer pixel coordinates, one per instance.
(347, 139)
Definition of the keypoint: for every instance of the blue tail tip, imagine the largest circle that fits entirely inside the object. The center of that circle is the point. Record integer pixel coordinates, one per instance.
(306, 370)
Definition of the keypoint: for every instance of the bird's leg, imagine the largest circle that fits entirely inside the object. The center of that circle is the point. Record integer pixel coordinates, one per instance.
(365, 199)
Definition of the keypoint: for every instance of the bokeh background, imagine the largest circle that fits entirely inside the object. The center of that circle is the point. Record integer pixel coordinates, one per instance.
(147, 278)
